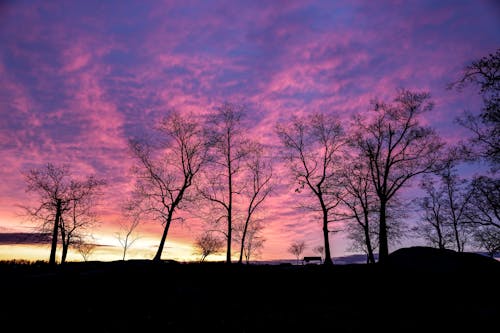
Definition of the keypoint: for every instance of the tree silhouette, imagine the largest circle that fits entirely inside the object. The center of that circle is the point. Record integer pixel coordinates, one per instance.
(359, 199)
(484, 73)
(258, 188)
(229, 148)
(254, 241)
(207, 244)
(65, 204)
(296, 248)
(311, 147)
(397, 149)
(80, 216)
(126, 236)
(85, 249)
(165, 169)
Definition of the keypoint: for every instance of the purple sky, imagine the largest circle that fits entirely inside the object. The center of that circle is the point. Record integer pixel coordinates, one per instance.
(78, 78)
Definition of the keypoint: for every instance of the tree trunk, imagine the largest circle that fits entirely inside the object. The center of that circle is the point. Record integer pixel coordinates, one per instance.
(328, 257)
(370, 256)
(64, 253)
(242, 248)
(383, 246)
(230, 203)
(53, 248)
(157, 257)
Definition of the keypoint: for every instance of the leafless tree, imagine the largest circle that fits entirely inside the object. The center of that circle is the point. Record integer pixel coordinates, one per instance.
(165, 169)
(207, 244)
(85, 249)
(434, 227)
(484, 73)
(359, 199)
(258, 189)
(488, 238)
(65, 204)
(311, 147)
(320, 250)
(484, 205)
(126, 236)
(296, 248)
(397, 149)
(229, 148)
(254, 241)
(80, 217)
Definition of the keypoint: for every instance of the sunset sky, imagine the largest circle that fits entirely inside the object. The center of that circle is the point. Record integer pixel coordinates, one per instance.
(79, 78)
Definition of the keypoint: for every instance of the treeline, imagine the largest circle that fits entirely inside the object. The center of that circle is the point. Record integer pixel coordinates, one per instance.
(352, 173)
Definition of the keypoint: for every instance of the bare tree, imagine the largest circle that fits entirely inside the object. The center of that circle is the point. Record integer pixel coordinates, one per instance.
(80, 216)
(359, 199)
(207, 244)
(311, 147)
(488, 238)
(484, 205)
(296, 248)
(484, 73)
(319, 250)
(65, 204)
(126, 236)
(165, 170)
(258, 188)
(397, 149)
(254, 240)
(434, 227)
(229, 149)
(85, 249)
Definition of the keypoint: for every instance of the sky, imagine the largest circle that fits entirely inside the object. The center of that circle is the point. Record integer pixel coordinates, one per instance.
(78, 79)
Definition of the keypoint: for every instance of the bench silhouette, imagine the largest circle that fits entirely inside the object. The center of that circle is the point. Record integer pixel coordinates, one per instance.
(309, 259)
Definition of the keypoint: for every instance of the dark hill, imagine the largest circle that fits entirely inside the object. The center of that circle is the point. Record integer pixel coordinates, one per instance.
(427, 259)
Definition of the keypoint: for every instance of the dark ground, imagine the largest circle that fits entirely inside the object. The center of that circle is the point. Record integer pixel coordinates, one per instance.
(419, 290)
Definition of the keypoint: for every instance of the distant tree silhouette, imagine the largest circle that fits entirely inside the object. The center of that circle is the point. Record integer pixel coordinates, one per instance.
(397, 149)
(359, 199)
(488, 238)
(65, 204)
(81, 215)
(319, 250)
(485, 74)
(311, 147)
(207, 244)
(258, 189)
(165, 169)
(254, 242)
(85, 249)
(229, 149)
(434, 227)
(296, 248)
(126, 236)
(483, 212)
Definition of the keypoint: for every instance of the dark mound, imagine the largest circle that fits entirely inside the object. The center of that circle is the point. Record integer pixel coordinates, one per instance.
(427, 259)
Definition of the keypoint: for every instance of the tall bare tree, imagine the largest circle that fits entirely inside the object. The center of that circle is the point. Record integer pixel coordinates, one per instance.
(311, 148)
(165, 169)
(397, 149)
(229, 149)
(258, 189)
(65, 204)
(359, 199)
